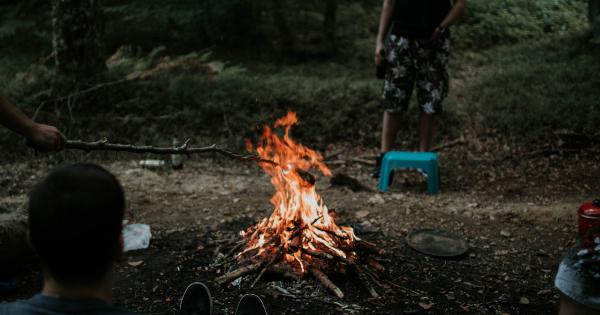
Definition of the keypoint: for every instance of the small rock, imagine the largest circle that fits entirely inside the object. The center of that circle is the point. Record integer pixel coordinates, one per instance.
(376, 200)
(524, 301)
(361, 214)
(397, 196)
(367, 226)
(505, 233)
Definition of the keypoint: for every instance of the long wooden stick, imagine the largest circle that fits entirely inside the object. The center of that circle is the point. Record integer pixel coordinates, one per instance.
(104, 145)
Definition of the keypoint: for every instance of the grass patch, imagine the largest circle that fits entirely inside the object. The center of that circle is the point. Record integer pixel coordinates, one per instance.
(535, 88)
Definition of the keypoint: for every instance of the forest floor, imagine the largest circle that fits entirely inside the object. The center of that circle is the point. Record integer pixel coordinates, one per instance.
(516, 208)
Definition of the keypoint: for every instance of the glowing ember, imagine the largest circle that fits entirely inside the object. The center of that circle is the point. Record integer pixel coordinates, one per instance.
(300, 223)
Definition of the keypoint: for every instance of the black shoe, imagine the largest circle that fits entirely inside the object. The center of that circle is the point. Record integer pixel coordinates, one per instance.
(250, 304)
(196, 300)
(377, 168)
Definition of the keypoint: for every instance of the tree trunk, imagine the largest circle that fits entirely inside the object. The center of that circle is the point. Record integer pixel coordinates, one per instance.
(279, 17)
(594, 15)
(329, 22)
(78, 38)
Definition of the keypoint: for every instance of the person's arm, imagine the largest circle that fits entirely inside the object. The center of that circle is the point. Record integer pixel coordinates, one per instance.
(455, 13)
(41, 137)
(387, 13)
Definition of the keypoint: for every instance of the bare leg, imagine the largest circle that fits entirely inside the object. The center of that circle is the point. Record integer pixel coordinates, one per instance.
(427, 131)
(391, 125)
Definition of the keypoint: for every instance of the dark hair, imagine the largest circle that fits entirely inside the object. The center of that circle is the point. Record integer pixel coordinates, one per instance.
(75, 219)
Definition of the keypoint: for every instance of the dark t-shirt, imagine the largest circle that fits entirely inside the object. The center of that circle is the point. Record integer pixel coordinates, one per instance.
(45, 305)
(417, 19)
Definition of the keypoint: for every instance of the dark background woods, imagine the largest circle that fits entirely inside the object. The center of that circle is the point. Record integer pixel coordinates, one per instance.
(144, 71)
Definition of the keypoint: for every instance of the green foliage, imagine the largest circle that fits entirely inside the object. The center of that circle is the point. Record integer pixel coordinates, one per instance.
(25, 25)
(487, 23)
(533, 89)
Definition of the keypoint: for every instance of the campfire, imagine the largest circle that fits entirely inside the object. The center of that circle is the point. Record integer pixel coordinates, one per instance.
(300, 237)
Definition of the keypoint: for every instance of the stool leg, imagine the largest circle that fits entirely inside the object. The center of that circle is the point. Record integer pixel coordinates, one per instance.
(433, 180)
(384, 177)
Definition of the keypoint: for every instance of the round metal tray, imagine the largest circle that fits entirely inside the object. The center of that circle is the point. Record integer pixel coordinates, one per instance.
(437, 243)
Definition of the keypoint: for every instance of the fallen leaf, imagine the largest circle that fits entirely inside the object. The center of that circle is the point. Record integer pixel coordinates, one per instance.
(135, 263)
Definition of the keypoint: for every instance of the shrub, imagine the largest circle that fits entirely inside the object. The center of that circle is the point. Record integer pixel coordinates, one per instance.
(533, 89)
(487, 23)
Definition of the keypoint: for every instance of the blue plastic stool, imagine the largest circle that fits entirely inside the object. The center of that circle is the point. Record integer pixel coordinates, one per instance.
(426, 161)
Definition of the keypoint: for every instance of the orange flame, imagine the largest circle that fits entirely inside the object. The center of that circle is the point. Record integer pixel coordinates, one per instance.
(299, 220)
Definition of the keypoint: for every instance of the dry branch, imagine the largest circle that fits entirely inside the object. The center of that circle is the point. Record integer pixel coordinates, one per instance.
(327, 283)
(365, 280)
(375, 265)
(228, 277)
(104, 145)
(449, 144)
(318, 254)
(369, 247)
(276, 256)
(284, 270)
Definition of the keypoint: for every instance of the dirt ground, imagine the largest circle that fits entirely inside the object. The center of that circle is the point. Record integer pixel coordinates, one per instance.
(518, 215)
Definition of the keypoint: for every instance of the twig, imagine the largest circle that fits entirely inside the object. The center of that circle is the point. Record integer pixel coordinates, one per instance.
(449, 144)
(275, 257)
(327, 283)
(375, 264)
(235, 248)
(365, 280)
(318, 254)
(104, 145)
(334, 155)
(228, 277)
(369, 247)
(363, 161)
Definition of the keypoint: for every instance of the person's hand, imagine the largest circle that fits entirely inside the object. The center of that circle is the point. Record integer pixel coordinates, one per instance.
(436, 34)
(45, 138)
(379, 53)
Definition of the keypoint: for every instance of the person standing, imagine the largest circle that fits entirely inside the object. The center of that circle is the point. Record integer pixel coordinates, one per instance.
(416, 55)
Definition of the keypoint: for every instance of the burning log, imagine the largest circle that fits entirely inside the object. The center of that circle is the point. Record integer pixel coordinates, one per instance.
(300, 237)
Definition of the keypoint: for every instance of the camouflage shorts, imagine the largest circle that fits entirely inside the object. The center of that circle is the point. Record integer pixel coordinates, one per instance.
(413, 62)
